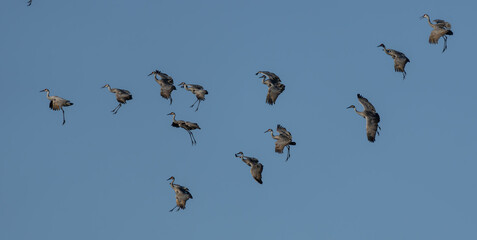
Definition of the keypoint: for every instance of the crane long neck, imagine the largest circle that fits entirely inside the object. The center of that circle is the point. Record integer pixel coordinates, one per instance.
(271, 133)
(172, 183)
(109, 88)
(48, 95)
(174, 120)
(359, 113)
(429, 21)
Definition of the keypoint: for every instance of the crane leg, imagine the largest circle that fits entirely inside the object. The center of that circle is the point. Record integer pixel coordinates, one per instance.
(63, 116)
(404, 75)
(173, 208)
(192, 139)
(288, 152)
(115, 110)
(170, 99)
(198, 106)
(445, 43)
(194, 103)
(195, 142)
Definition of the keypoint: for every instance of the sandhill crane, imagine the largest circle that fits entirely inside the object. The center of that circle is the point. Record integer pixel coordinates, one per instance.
(167, 84)
(372, 117)
(197, 90)
(275, 86)
(121, 96)
(182, 195)
(188, 126)
(57, 103)
(256, 167)
(283, 139)
(441, 29)
(400, 60)
(29, 2)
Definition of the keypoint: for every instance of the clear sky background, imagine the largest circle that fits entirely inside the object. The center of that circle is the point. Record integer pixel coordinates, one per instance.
(103, 176)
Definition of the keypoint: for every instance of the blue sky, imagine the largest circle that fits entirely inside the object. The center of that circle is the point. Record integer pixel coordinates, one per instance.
(103, 176)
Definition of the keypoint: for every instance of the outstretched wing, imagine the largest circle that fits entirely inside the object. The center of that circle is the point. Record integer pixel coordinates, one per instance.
(250, 161)
(273, 92)
(442, 24)
(372, 127)
(279, 145)
(436, 34)
(256, 171)
(283, 131)
(166, 90)
(400, 62)
(166, 78)
(366, 104)
(274, 79)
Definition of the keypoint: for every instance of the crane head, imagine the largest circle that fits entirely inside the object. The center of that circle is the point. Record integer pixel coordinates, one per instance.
(182, 84)
(107, 85)
(382, 45)
(425, 16)
(171, 178)
(154, 72)
(171, 113)
(352, 106)
(45, 90)
(269, 130)
(238, 154)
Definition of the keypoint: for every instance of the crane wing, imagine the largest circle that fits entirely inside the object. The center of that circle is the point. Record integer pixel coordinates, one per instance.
(56, 103)
(166, 90)
(168, 79)
(436, 34)
(273, 92)
(372, 127)
(271, 76)
(256, 171)
(400, 63)
(442, 24)
(283, 131)
(250, 161)
(366, 104)
(279, 145)
(195, 86)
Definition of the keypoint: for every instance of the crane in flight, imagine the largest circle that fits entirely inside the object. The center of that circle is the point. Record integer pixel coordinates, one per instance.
(121, 96)
(57, 103)
(371, 116)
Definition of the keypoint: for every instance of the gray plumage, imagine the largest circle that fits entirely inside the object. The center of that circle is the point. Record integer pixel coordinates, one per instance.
(29, 3)
(197, 90)
(57, 103)
(400, 60)
(166, 82)
(256, 168)
(371, 116)
(182, 195)
(441, 28)
(284, 139)
(275, 86)
(121, 96)
(188, 126)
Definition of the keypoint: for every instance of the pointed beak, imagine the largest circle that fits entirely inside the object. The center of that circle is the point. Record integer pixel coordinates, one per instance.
(42, 90)
(349, 107)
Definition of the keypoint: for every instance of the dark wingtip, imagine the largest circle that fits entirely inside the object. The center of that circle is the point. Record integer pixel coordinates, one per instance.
(449, 32)
(293, 143)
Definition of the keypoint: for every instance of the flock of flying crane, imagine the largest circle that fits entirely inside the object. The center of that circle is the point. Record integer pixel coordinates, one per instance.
(441, 29)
